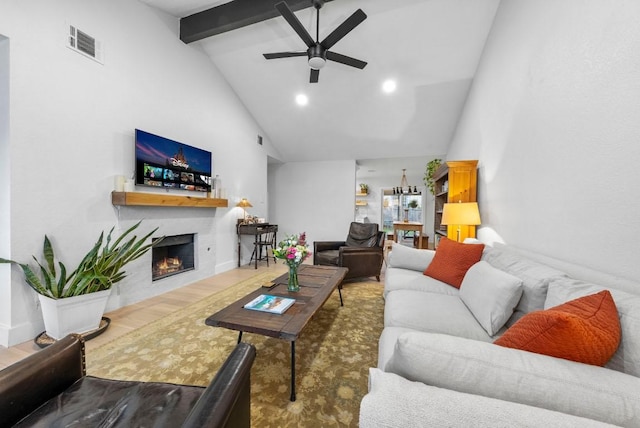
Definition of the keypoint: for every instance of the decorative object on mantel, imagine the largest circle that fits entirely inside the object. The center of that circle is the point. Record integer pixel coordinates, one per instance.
(244, 204)
(129, 185)
(218, 191)
(74, 302)
(461, 214)
(118, 183)
(293, 250)
(432, 167)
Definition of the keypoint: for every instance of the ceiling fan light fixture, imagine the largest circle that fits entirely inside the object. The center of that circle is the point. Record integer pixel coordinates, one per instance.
(316, 62)
(317, 56)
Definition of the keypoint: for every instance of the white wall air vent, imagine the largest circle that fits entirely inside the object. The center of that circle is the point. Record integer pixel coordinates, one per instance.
(85, 44)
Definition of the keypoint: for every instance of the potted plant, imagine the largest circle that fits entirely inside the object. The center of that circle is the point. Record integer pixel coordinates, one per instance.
(364, 188)
(73, 302)
(413, 204)
(432, 167)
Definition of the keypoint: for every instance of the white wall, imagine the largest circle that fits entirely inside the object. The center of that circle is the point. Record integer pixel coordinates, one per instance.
(553, 117)
(312, 197)
(71, 130)
(5, 235)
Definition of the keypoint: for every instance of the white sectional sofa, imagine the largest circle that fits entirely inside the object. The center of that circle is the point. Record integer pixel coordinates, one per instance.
(438, 365)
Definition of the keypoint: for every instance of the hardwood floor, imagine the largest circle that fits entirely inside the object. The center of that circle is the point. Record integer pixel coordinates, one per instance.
(130, 317)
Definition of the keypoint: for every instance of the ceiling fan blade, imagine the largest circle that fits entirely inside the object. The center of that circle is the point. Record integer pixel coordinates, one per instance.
(295, 23)
(313, 77)
(346, 60)
(343, 29)
(276, 55)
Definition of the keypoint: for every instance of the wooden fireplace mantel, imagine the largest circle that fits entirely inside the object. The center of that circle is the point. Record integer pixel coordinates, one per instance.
(164, 200)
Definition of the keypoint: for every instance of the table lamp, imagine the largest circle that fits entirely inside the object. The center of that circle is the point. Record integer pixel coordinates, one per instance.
(244, 204)
(461, 214)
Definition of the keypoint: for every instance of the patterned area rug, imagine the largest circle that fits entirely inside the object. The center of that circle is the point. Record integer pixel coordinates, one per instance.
(333, 355)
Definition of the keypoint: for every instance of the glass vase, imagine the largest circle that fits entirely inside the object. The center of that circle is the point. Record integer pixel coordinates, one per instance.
(293, 284)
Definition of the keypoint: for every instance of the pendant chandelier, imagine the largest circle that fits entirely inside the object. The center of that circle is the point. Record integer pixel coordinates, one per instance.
(404, 185)
(403, 182)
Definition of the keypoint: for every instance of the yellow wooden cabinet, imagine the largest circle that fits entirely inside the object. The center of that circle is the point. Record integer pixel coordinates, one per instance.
(455, 181)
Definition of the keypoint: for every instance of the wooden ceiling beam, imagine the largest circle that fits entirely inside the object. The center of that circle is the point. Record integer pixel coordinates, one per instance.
(232, 15)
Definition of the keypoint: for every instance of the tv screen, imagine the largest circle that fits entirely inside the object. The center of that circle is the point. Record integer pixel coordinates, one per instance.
(161, 162)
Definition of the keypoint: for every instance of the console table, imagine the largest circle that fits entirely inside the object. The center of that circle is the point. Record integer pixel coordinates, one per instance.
(255, 230)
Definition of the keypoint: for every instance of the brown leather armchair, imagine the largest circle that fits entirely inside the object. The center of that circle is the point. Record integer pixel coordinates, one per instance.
(50, 388)
(361, 252)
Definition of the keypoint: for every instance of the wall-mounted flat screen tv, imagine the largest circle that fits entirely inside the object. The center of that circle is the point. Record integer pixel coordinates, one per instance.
(165, 163)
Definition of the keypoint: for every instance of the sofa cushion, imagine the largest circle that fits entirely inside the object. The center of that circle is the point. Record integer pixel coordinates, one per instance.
(452, 260)
(94, 402)
(405, 257)
(387, 343)
(328, 257)
(393, 401)
(433, 312)
(535, 278)
(586, 330)
(491, 295)
(627, 357)
(407, 279)
(509, 374)
(362, 235)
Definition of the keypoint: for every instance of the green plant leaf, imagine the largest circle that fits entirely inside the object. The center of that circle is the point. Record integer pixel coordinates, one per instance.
(47, 252)
(47, 279)
(127, 232)
(432, 167)
(62, 281)
(30, 277)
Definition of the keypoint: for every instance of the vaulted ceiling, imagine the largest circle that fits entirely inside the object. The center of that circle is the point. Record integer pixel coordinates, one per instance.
(431, 48)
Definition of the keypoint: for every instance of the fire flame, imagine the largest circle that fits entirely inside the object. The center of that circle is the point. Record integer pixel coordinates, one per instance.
(168, 265)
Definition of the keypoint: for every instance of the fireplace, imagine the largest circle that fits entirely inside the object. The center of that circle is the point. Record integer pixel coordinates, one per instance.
(172, 255)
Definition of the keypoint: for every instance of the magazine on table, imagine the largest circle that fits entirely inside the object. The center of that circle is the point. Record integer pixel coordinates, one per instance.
(270, 303)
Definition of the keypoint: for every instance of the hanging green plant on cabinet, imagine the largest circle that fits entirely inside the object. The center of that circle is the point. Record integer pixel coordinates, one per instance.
(432, 167)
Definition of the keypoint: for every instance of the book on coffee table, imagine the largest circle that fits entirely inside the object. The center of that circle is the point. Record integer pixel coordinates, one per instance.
(270, 303)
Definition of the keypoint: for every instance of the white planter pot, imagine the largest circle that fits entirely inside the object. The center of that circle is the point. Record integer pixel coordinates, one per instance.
(77, 314)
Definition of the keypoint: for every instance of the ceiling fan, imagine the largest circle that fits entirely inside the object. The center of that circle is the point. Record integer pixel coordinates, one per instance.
(318, 52)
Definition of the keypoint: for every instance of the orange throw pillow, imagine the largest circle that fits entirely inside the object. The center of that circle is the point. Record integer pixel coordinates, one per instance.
(452, 261)
(586, 330)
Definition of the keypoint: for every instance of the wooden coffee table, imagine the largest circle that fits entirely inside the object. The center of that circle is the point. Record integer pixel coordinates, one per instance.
(316, 285)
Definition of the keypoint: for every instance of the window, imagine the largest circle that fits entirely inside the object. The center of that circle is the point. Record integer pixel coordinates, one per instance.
(394, 207)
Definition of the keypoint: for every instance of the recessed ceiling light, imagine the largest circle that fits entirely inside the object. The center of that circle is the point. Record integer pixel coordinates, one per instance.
(389, 86)
(302, 100)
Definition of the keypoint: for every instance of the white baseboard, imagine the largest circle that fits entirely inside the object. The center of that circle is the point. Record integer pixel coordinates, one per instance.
(14, 335)
(226, 266)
